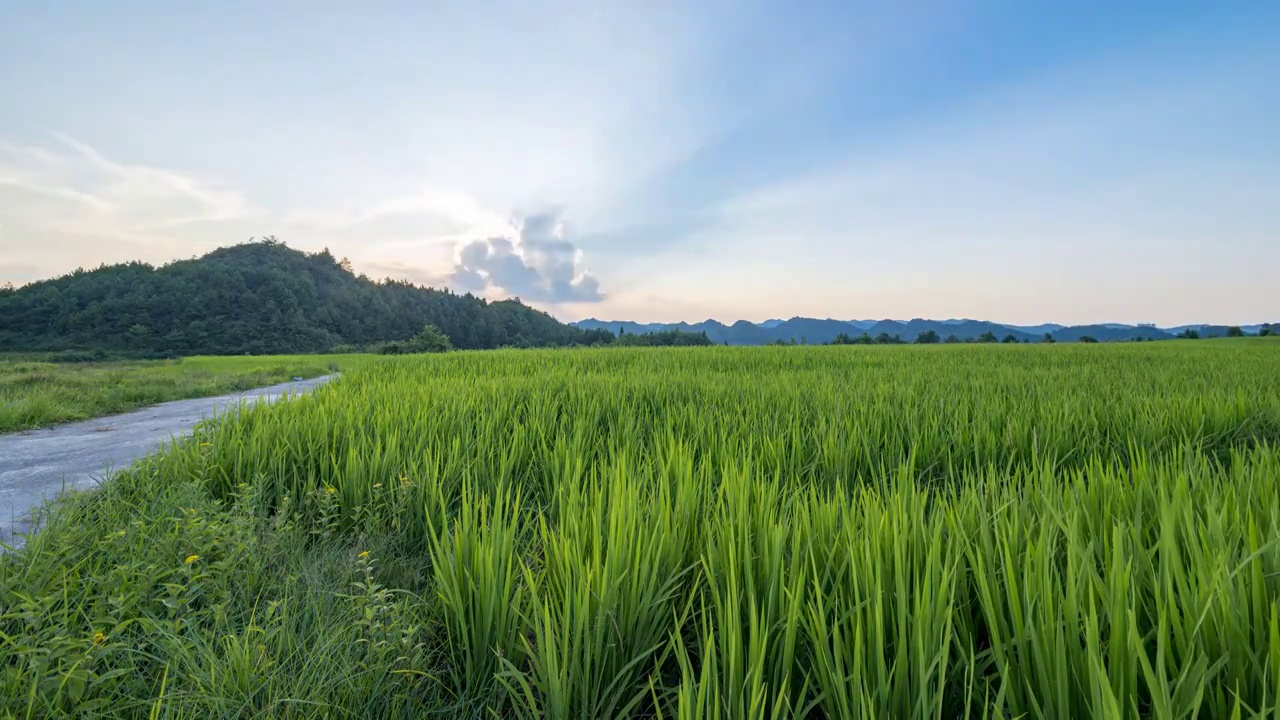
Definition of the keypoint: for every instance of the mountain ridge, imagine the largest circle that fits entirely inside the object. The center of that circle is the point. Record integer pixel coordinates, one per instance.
(824, 330)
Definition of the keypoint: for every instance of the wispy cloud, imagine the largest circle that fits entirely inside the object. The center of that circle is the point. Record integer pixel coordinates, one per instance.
(67, 201)
(99, 198)
(64, 202)
(1131, 189)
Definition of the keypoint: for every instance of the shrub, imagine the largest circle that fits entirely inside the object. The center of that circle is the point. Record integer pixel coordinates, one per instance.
(428, 340)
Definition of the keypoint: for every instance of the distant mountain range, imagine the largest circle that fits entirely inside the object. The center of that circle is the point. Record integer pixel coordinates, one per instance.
(820, 331)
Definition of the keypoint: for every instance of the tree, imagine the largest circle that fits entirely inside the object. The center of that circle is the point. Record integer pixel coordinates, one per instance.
(1267, 331)
(1088, 339)
(846, 339)
(431, 339)
(952, 339)
(1048, 337)
(1235, 331)
(428, 340)
(1009, 339)
(1189, 334)
(928, 337)
(987, 337)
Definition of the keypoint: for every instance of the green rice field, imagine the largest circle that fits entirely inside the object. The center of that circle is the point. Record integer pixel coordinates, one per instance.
(1011, 531)
(35, 394)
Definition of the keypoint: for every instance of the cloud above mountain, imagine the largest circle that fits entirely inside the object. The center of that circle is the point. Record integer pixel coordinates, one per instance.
(538, 265)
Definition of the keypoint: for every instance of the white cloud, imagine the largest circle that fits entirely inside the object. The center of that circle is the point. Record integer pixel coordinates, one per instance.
(539, 265)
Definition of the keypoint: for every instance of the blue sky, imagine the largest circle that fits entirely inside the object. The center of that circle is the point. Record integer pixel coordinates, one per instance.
(1020, 162)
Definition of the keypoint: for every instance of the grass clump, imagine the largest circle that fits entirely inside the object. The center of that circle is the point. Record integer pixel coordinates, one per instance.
(1007, 531)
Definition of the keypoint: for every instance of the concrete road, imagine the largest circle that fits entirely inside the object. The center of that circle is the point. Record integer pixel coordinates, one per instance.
(36, 465)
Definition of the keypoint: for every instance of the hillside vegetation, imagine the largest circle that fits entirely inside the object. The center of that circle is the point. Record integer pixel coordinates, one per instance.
(995, 531)
(257, 298)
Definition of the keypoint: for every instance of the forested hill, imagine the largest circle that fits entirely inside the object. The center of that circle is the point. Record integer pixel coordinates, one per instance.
(260, 297)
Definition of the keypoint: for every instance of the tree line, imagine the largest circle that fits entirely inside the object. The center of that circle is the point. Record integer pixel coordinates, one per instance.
(928, 337)
(266, 298)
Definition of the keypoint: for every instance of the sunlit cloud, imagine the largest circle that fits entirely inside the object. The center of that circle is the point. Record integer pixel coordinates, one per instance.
(539, 264)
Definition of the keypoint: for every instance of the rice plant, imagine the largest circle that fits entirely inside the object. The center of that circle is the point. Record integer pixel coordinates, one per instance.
(808, 532)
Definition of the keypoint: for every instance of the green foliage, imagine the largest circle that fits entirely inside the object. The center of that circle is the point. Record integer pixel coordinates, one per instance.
(1235, 331)
(665, 338)
(881, 339)
(257, 298)
(1189, 334)
(928, 337)
(987, 337)
(428, 340)
(722, 532)
(1009, 339)
(1048, 338)
(1087, 339)
(847, 339)
(952, 339)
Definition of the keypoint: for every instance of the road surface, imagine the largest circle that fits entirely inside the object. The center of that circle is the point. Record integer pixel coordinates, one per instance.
(36, 465)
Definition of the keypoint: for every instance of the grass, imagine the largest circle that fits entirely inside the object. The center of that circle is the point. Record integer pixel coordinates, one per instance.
(1011, 531)
(39, 394)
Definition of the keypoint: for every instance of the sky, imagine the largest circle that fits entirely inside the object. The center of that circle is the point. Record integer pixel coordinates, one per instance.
(1021, 162)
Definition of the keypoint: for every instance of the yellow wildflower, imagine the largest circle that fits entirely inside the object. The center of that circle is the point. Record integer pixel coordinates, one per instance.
(204, 444)
(191, 558)
(99, 638)
(364, 554)
(329, 490)
(377, 485)
(404, 481)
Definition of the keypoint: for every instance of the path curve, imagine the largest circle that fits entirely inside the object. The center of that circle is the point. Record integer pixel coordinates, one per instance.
(36, 465)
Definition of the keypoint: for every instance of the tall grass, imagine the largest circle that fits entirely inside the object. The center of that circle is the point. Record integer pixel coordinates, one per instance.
(1050, 532)
(40, 394)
